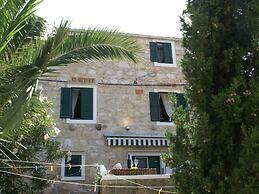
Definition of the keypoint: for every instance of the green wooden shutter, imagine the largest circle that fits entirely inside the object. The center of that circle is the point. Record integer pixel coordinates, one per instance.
(154, 106)
(181, 101)
(129, 162)
(87, 103)
(65, 103)
(153, 51)
(168, 52)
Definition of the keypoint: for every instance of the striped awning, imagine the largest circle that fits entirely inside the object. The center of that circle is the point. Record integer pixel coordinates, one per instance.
(135, 140)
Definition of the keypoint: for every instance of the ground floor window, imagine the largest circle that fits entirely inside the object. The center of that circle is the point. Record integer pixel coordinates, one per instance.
(148, 160)
(72, 166)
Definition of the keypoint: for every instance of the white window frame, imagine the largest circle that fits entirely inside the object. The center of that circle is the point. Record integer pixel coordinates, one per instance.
(159, 123)
(174, 64)
(146, 154)
(80, 121)
(82, 177)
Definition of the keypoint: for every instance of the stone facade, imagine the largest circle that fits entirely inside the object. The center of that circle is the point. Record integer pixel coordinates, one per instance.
(152, 184)
(119, 103)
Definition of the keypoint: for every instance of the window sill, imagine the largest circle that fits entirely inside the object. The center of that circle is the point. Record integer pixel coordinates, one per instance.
(165, 123)
(164, 64)
(73, 178)
(77, 121)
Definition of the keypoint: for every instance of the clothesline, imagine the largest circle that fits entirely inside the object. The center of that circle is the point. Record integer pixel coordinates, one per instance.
(46, 163)
(92, 185)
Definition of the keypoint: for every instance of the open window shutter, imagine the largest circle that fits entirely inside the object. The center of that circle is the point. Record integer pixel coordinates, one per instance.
(168, 52)
(129, 162)
(154, 106)
(181, 101)
(87, 103)
(153, 51)
(65, 103)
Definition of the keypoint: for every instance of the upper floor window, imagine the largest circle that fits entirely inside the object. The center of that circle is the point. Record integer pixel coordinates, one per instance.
(161, 53)
(78, 104)
(161, 108)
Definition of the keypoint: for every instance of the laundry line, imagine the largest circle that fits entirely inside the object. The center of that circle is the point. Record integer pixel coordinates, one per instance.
(91, 185)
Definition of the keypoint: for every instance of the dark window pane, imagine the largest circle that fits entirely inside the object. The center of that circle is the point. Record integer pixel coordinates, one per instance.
(154, 162)
(76, 103)
(74, 171)
(148, 162)
(82, 103)
(160, 53)
(142, 161)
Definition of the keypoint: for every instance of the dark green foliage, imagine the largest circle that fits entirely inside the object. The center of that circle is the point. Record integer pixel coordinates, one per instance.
(216, 151)
(36, 124)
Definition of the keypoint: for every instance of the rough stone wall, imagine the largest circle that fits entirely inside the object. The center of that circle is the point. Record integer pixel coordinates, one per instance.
(117, 105)
(150, 186)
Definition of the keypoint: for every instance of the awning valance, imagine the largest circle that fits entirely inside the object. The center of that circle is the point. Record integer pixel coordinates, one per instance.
(135, 140)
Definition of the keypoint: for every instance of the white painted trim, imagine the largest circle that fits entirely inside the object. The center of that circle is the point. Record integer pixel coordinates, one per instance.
(156, 64)
(167, 90)
(174, 64)
(79, 121)
(82, 177)
(128, 177)
(144, 153)
(165, 123)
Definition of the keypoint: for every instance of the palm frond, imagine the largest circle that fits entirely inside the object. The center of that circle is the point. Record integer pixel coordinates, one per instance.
(50, 47)
(96, 44)
(13, 15)
(13, 111)
(63, 46)
(32, 31)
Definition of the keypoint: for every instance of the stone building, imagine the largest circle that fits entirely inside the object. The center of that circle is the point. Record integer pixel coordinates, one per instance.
(115, 111)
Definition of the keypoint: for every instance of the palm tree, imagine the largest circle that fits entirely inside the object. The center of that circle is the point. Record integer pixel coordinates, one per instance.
(23, 62)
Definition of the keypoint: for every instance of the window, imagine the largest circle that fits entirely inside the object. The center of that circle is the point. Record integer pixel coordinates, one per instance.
(78, 104)
(162, 53)
(72, 168)
(142, 161)
(161, 107)
(146, 161)
(149, 160)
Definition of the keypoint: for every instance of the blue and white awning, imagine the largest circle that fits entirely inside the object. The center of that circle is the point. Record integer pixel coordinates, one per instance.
(135, 140)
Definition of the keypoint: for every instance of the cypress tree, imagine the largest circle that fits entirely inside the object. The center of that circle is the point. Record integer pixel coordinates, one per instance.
(216, 146)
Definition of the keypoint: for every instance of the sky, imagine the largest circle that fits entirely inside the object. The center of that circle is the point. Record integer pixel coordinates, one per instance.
(148, 17)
